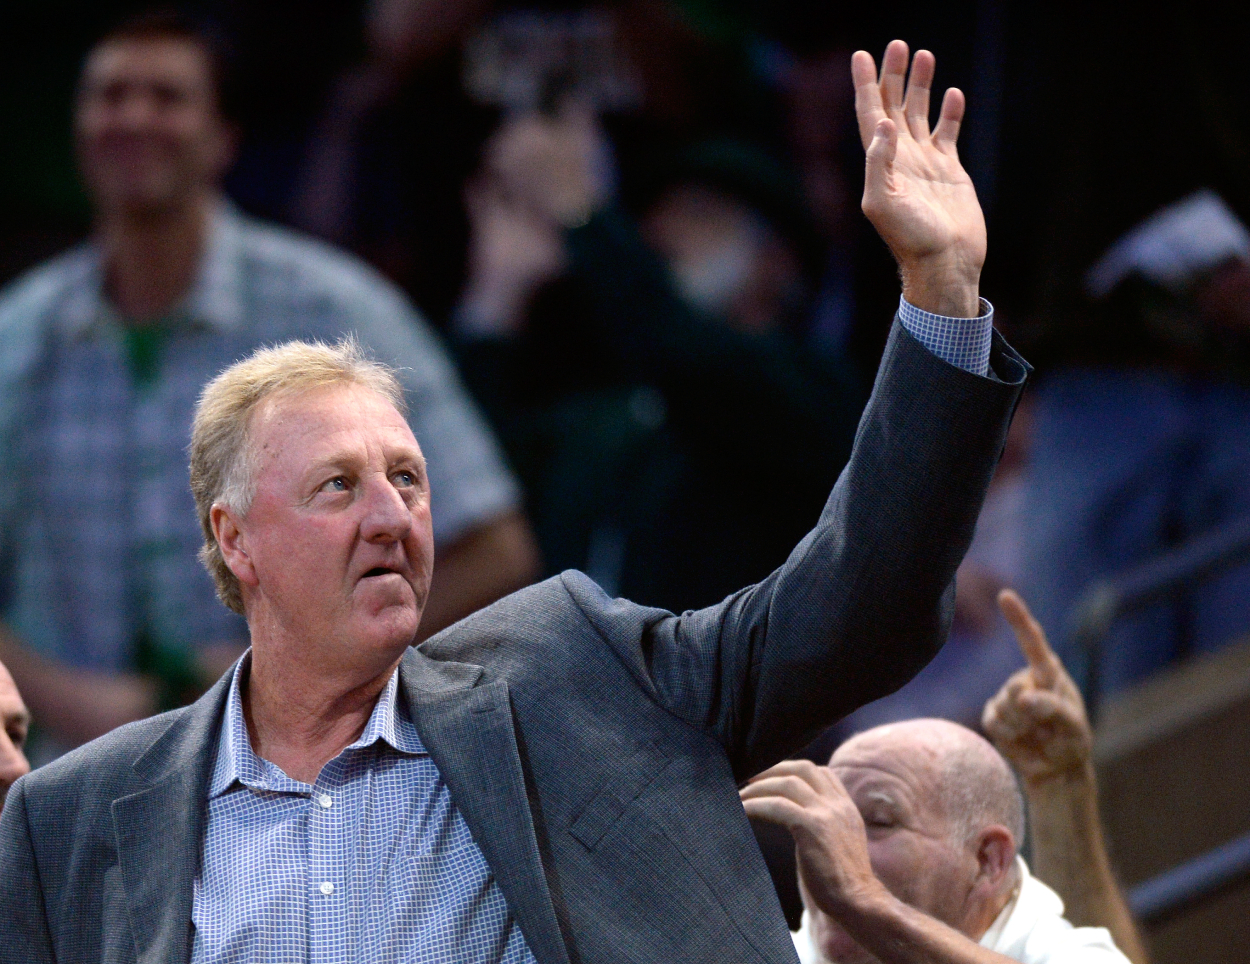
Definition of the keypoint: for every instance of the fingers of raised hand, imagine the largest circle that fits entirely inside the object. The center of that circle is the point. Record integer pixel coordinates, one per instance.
(868, 108)
(916, 104)
(1044, 707)
(1043, 662)
(947, 131)
(784, 798)
(796, 776)
(879, 161)
(801, 782)
(893, 78)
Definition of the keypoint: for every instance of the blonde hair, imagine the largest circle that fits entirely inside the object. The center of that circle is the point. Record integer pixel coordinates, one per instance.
(222, 460)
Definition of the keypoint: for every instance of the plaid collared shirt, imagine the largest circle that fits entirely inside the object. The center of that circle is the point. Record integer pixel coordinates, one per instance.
(98, 531)
(372, 863)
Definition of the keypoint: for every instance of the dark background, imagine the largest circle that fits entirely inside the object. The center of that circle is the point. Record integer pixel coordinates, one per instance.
(1083, 119)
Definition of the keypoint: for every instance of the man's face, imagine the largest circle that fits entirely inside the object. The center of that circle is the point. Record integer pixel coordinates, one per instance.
(14, 722)
(338, 534)
(893, 780)
(147, 127)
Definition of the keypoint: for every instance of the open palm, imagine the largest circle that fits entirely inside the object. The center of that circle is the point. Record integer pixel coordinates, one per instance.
(916, 193)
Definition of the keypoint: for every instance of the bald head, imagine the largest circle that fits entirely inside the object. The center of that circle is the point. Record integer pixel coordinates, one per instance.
(969, 781)
(943, 819)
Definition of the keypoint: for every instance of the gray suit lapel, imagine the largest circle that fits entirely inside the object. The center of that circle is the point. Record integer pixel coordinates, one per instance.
(160, 828)
(469, 732)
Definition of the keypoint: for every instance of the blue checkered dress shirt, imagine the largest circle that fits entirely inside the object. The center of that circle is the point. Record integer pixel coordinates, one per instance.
(963, 342)
(372, 863)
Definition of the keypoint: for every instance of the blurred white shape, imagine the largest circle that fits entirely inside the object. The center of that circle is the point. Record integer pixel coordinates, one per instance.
(1173, 245)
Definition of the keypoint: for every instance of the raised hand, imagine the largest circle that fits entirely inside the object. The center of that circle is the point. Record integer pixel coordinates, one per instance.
(831, 844)
(512, 253)
(916, 193)
(1037, 720)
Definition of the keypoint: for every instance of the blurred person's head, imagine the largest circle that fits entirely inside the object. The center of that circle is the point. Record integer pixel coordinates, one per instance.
(14, 723)
(944, 819)
(730, 223)
(1195, 249)
(150, 125)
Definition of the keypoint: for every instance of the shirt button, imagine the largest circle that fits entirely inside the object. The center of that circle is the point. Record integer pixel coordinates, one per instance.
(325, 800)
(327, 888)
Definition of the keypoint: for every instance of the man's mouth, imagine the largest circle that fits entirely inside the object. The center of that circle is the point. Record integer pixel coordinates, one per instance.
(380, 571)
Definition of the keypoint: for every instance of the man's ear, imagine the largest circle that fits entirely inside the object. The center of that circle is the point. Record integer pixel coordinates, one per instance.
(996, 854)
(233, 543)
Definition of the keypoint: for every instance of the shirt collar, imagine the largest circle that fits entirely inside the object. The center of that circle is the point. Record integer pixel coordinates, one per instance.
(216, 296)
(390, 722)
(1031, 901)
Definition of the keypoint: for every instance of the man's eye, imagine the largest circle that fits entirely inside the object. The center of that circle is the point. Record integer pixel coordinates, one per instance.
(336, 484)
(18, 736)
(405, 479)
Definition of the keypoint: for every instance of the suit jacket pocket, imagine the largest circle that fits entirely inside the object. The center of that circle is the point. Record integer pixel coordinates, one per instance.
(637, 772)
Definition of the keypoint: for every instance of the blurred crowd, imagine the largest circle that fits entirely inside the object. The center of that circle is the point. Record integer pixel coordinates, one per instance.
(615, 250)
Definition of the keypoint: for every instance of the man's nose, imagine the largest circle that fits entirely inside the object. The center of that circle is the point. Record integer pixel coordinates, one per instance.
(387, 516)
(135, 111)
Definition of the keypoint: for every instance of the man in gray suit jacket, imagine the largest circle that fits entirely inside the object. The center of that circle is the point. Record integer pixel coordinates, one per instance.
(552, 779)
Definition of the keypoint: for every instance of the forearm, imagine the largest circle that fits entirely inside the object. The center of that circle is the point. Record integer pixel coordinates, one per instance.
(484, 565)
(898, 934)
(860, 606)
(1069, 854)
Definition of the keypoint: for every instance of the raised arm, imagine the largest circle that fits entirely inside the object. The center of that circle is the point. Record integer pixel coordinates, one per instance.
(1038, 722)
(865, 599)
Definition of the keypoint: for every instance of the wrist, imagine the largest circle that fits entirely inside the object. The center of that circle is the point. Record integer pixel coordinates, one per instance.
(864, 902)
(875, 920)
(1076, 779)
(943, 285)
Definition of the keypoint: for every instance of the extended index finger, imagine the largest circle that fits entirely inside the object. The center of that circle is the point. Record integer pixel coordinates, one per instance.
(1042, 659)
(868, 107)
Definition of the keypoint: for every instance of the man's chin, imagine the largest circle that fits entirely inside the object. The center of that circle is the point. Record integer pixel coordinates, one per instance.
(142, 198)
(394, 625)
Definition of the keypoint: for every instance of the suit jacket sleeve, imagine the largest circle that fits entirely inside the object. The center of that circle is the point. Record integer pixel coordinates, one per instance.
(24, 935)
(865, 600)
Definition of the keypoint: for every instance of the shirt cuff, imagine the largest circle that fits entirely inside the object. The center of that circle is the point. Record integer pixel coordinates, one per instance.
(962, 342)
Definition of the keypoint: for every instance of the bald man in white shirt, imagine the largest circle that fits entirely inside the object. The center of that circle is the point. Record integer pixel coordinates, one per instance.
(907, 847)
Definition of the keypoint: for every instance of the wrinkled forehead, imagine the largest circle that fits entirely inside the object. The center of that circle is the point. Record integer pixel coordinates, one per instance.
(343, 421)
(156, 60)
(891, 754)
(325, 409)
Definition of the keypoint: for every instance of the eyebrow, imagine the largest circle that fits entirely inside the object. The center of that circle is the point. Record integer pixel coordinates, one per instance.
(343, 462)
